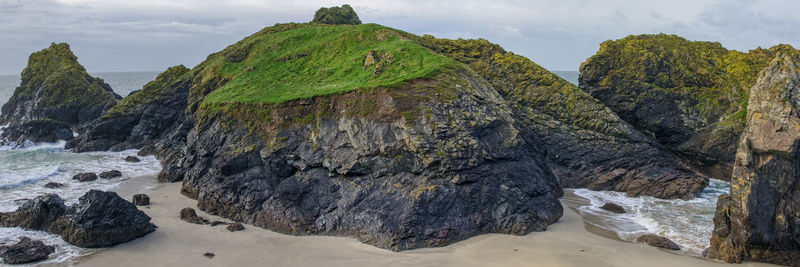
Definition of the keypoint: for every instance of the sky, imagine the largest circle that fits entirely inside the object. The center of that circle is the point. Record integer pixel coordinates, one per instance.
(151, 35)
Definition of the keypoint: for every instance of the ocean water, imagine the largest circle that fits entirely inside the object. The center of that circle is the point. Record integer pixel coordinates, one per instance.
(569, 75)
(25, 171)
(688, 223)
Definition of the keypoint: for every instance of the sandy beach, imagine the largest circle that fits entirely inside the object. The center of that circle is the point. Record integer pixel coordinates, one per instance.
(177, 243)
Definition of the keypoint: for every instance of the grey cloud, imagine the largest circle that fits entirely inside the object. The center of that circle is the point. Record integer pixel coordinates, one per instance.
(152, 35)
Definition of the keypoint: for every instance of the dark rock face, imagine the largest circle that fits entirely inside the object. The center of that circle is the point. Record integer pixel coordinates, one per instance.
(141, 119)
(43, 130)
(613, 208)
(25, 251)
(110, 174)
(100, 219)
(389, 181)
(336, 15)
(132, 159)
(53, 185)
(56, 91)
(588, 145)
(85, 177)
(141, 200)
(690, 96)
(760, 220)
(233, 227)
(658, 241)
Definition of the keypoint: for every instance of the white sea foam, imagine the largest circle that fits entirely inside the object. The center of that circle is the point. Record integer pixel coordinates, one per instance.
(687, 222)
(25, 171)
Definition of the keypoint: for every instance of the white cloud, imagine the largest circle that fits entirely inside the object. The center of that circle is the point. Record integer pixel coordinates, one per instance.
(112, 35)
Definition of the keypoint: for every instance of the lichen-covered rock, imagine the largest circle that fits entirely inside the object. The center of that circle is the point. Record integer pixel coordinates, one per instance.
(55, 87)
(336, 15)
(142, 118)
(760, 220)
(99, 219)
(25, 251)
(588, 145)
(690, 96)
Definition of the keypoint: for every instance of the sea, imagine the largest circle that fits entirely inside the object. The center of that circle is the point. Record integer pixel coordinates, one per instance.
(24, 172)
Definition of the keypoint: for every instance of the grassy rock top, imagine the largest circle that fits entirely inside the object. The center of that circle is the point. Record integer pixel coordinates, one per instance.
(71, 94)
(307, 60)
(336, 15)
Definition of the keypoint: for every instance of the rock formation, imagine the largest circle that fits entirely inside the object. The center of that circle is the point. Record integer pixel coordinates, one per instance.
(690, 96)
(658, 241)
(100, 219)
(56, 96)
(336, 15)
(439, 145)
(140, 119)
(588, 145)
(25, 251)
(760, 220)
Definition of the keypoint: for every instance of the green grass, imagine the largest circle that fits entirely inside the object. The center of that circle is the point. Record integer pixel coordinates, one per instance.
(315, 60)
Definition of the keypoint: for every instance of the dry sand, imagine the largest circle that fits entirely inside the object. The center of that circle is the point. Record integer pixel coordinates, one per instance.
(177, 243)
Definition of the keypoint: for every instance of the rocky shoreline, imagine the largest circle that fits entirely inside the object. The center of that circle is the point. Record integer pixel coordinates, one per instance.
(474, 140)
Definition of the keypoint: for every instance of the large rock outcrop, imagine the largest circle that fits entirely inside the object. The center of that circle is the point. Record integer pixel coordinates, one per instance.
(760, 220)
(588, 145)
(100, 219)
(56, 91)
(416, 157)
(690, 96)
(143, 118)
(336, 15)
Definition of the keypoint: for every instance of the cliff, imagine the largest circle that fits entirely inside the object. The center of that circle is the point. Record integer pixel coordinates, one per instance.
(690, 96)
(759, 221)
(56, 95)
(588, 145)
(348, 130)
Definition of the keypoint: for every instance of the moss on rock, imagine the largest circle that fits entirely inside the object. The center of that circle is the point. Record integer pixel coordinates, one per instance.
(336, 15)
(55, 86)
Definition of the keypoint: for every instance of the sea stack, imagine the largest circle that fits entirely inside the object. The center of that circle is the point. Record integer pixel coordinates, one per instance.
(55, 98)
(588, 145)
(760, 220)
(690, 96)
(398, 157)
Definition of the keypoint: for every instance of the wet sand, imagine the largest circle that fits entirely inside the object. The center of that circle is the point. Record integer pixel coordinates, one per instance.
(177, 243)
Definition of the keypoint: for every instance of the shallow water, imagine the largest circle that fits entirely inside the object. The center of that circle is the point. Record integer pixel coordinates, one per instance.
(688, 223)
(25, 171)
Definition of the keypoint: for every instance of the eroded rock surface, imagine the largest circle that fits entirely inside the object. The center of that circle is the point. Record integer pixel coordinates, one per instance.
(99, 219)
(760, 220)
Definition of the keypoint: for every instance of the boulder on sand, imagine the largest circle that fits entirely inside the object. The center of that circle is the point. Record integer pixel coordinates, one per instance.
(25, 251)
(658, 241)
(99, 219)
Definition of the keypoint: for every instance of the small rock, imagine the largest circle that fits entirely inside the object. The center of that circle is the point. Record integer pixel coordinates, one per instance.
(53, 185)
(110, 174)
(189, 215)
(658, 241)
(209, 255)
(26, 251)
(132, 159)
(233, 227)
(141, 200)
(215, 223)
(613, 208)
(85, 177)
